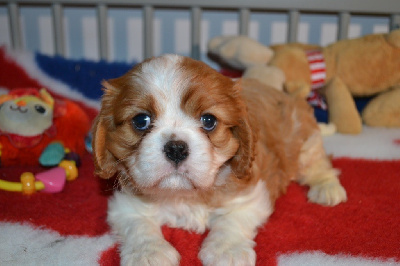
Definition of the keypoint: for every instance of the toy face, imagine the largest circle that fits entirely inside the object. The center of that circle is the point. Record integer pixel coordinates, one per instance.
(25, 116)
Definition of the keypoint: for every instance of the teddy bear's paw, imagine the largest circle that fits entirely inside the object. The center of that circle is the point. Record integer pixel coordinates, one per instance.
(215, 43)
(240, 51)
(327, 129)
(328, 193)
(224, 252)
(155, 253)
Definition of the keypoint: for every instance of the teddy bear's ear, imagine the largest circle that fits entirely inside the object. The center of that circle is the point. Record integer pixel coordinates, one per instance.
(104, 161)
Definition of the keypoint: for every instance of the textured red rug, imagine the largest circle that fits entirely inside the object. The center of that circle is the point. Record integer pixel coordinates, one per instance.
(69, 228)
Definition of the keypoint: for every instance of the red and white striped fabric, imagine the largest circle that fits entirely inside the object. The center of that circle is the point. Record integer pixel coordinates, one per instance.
(317, 66)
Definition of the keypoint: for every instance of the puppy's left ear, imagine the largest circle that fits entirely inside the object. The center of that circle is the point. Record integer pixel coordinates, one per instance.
(242, 161)
(104, 161)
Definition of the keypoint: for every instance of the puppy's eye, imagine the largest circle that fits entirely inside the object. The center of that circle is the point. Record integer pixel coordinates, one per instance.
(141, 122)
(208, 121)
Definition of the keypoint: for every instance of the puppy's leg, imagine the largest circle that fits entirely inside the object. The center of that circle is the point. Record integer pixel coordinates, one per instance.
(142, 242)
(233, 228)
(316, 171)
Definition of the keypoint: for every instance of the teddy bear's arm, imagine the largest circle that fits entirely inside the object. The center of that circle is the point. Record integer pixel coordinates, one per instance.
(342, 108)
(383, 110)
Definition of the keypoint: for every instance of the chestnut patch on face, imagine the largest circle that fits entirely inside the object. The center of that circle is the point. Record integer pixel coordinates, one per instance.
(210, 96)
(126, 100)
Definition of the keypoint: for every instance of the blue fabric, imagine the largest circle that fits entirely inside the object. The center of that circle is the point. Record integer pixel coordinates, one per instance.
(81, 75)
(322, 115)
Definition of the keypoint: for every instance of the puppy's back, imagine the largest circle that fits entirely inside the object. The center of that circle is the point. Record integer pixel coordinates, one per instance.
(283, 124)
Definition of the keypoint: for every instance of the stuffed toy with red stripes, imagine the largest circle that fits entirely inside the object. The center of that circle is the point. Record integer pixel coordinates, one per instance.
(329, 77)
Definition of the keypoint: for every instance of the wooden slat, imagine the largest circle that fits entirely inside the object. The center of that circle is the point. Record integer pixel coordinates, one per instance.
(293, 28)
(196, 32)
(344, 24)
(148, 31)
(58, 28)
(103, 31)
(395, 21)
(16, 38)
(244, 21)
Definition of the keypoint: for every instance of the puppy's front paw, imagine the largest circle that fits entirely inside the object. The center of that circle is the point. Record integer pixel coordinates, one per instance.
(224, 252)
(151, 254)
(328, 193)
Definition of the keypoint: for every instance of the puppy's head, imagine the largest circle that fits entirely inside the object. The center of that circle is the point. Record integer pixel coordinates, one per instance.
(172, 123)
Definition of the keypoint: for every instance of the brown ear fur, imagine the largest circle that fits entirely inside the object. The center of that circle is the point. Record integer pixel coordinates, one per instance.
(244, 157)
(104, 161)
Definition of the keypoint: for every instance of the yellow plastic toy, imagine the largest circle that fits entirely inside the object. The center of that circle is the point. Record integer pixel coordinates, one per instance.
(50, 181)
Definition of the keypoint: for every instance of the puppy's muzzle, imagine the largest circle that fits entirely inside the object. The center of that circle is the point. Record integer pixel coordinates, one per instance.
(176, 151)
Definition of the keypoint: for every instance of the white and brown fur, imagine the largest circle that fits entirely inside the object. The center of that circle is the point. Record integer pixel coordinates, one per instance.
(233, 174)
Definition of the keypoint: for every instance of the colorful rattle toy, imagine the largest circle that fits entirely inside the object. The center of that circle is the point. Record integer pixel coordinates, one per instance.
(50, 181)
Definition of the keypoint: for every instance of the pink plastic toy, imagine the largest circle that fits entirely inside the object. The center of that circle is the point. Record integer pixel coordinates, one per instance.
(53, 179)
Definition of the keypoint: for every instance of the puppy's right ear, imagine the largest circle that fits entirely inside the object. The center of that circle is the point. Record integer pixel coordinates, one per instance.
(104, 161)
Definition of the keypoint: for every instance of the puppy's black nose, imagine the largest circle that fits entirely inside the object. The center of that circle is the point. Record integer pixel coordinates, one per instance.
(176, 150)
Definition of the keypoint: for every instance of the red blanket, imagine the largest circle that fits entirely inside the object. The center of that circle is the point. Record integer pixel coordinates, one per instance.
(69, 228)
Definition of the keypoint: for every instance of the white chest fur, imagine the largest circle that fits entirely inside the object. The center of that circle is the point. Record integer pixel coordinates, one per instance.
(192, 217)
(189, 215)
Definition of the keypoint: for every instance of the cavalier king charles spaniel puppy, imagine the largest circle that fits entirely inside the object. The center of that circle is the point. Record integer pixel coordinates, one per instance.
(197, 150)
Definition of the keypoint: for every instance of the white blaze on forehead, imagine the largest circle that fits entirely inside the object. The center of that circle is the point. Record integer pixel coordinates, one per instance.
(163, 76)
(165, 79)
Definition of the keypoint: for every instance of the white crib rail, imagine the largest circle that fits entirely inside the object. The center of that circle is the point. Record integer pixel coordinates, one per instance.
(343, 8)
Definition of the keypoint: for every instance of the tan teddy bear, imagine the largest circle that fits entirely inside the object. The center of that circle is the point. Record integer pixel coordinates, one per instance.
(365, 66)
